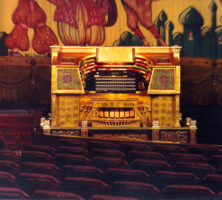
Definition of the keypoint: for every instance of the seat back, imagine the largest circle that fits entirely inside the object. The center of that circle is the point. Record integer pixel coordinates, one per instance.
(42, 148)
(142, 191)
(164, 178)
(150, 166)
(36, 156)
(62, 159)
(12, 193)
(119, 174)
(85, 187)
(199, 169)
(213, 181)
(187, 192)
(30, 182)
(38, 167)
(52, 195)
(135, 154)
(82, 171)
(109, 162)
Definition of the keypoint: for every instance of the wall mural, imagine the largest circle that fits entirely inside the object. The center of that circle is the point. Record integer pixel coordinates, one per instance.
(88, 22)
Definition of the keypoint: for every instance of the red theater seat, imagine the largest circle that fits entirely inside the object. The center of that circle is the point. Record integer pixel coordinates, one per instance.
(168, 148)
(42, 168)
(82, 171)
(2, 143)
(12, 193)
(9, 166)
(185, 157)
(53, 195)
(150, 166)
(199, 169)
(42, 148)
(6, 154)
(72, 142)
(62, 159)
(164, 178)
(7, 179)
(142, 191)
(215, 160)
(127, 147)
(73, 150)
(117, 174)
(86, 187)
(34, 181)
(183, 192)
(100, 144)
(213, 181)
(36, 156)
(108, 152)
(135, 154)
(206, 150)
(110, 197)
(109, 162)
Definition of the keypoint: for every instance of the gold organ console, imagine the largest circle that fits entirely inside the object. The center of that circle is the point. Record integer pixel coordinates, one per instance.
(128, 93)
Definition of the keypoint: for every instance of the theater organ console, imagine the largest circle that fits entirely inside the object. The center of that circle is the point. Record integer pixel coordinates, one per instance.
(117, 92)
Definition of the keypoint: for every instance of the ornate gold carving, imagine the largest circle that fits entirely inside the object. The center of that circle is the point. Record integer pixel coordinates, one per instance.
(174, 136)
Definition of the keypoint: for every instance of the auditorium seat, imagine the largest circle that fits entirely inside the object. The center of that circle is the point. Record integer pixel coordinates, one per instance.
(62, 159)
(118, 174)
(2, 143)
(109, 162)
(126, 147)
(54, 195)
(183, 192)
(150, 166)
(29, 182)
(110, 197)
(168, 148)
(38, 167)
(85, 187)
(42, 148)
(101, 144)
(135, 154)
(205, 150)
(176, 157)
(9, 166)
(213, 181)
(215, 160)
(82, 171)
(162, 178)
(73, 150)
(7, 179)
(36, 156)
(142, 191)
(72, 142)
(108, 153)
(6, 154)
(199, 169)
(12, 193)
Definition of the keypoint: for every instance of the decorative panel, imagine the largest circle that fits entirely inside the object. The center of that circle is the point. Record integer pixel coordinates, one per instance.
(163, 111)
(68, 115)
(163, 79)
(181, 136)
(68, 79)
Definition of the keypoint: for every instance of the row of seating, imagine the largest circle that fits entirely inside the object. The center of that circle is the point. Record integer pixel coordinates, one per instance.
(32, 185)
(89, 167)
(148, 164)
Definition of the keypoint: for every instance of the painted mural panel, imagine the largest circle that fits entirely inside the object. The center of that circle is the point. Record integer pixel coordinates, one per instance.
(31, 26)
